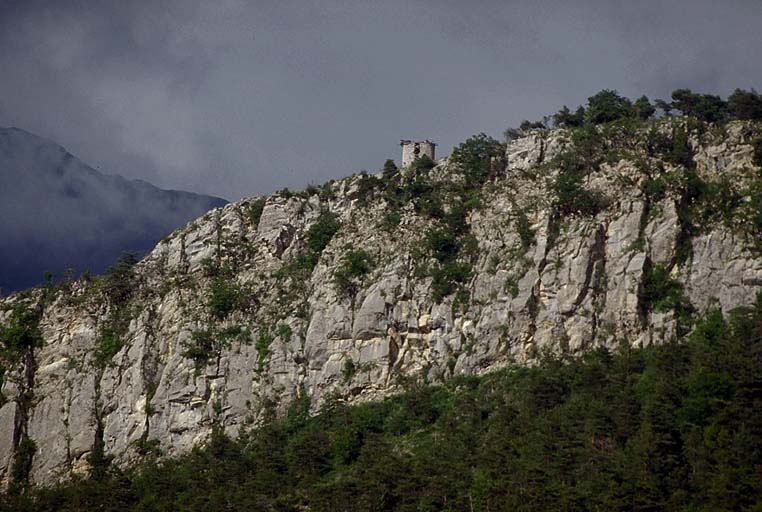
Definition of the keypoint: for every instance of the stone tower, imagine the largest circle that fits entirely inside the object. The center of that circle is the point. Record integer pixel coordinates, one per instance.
(412, 149)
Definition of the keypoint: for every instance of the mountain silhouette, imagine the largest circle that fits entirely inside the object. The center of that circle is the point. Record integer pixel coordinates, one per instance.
(58, 213)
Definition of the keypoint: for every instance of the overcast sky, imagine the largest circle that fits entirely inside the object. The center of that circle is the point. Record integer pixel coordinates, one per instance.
(237, 98)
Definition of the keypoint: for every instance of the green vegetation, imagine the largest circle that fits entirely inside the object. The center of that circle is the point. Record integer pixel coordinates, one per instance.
(565, 118)
(109, 341)
(255, 211)
(611, 128)
(705, 204)
(511, 286)
(326, 192)
(654, 188)
(447, 276)
(391, 220)
(18, 338)
(702, 204)
(572, 196)
(447, 204)
(208, 344)
(746, 105)
(22, 464)
(366, 186)
(119, 282)
(321, 232)
(297, 271)
(285, 193)
(262, 344)
(203, 345)
(705, 107)
(643, 108)
(225, 297)
(284, 332)
(752, 217)
(607, 106)
(660, 292)
(118, 286)
(451, 243)
(151, 388)
(757, 155)
(524, 229)
(479, 157)
(668, 427)
(672, 148)
(355, 266)
(526, 126)
(443, 244)
(20, 333)
(717, 202)
(422, 163)
(348, 370)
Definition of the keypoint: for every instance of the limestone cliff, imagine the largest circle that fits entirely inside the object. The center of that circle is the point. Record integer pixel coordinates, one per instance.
(242, 310)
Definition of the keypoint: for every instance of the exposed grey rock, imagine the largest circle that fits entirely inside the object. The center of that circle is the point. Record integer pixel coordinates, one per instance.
(572, 289)
(8, 414)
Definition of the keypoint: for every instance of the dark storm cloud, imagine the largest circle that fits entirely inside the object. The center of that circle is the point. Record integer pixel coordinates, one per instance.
(237, 98)
(57, 213)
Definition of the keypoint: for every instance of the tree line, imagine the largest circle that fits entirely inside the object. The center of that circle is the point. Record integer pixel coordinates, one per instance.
(608, 105)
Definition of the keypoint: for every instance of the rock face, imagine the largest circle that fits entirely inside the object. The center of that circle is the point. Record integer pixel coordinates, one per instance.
(576, 285)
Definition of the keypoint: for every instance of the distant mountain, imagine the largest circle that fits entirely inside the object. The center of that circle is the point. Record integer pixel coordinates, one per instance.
(56, 212)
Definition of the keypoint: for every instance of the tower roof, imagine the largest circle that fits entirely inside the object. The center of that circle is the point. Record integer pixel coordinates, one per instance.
(404, 142)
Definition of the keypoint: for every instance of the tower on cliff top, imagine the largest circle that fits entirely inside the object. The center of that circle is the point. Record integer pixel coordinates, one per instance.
(412, 149)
